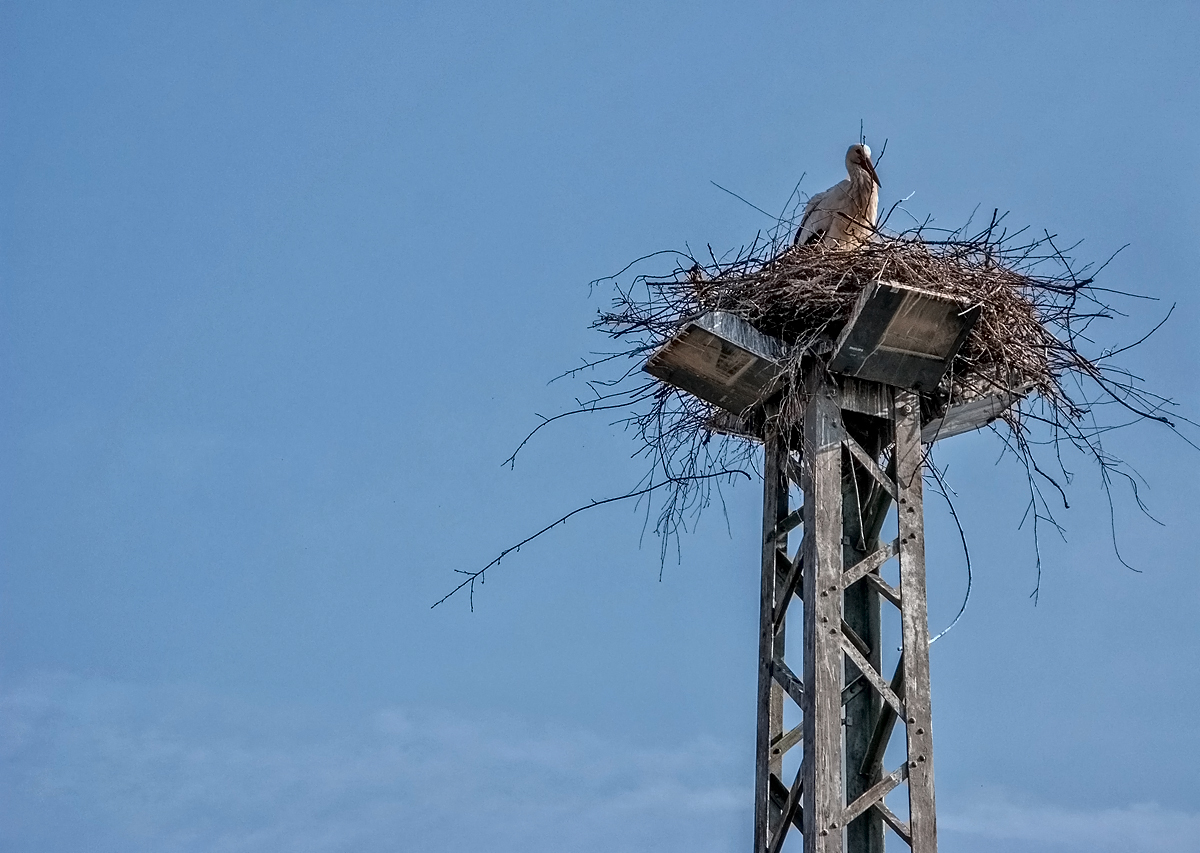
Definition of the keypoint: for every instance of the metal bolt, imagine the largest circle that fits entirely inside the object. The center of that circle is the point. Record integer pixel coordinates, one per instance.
(824, 831)
(912, 719)
(912, 764)
(920, 731)
(920, 758)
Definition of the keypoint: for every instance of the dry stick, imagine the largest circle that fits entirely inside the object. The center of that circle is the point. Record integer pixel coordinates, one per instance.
(473, 576)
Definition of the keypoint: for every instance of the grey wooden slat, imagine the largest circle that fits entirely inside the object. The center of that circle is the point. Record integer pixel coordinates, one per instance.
(875, 793)
(989, 404)
(721, 358)
(793, 520)
(914, 622)
(775, 499)
(859, 642)
(873, 676)
(885, 589)
(870, 563)
(902, 336)
(779, 795)
(783, 565)
(872, 467)
(855, 687)
(865, 397)
(788, 811)
(822, 547)
(882, 733)
(898, 826)
(878, 505)
(789, 587)
(787, 679)
(783, 743)
(795, 470)
(864, 503)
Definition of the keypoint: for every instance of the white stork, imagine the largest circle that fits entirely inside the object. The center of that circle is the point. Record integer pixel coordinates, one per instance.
(844, 215)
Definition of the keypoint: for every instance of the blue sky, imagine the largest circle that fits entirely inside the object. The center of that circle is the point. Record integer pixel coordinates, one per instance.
(283, 284)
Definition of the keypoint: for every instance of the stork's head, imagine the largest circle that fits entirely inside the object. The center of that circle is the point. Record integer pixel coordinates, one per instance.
(859, 158)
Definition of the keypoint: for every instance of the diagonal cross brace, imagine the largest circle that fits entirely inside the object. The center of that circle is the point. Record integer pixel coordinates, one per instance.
(875, 793)
(864, 666)
(788, 812)
(870, 563)
(872, 467)
(884, 725)
(885, 589)
(898, 826)
(787, 679)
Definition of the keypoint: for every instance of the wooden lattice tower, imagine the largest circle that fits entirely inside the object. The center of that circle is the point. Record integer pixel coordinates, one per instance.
(859, 453)
(849, 707)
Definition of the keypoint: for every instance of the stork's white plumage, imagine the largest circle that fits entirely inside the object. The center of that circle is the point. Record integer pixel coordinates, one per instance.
(844, 215)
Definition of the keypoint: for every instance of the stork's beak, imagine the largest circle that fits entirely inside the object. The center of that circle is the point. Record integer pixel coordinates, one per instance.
(870, 167)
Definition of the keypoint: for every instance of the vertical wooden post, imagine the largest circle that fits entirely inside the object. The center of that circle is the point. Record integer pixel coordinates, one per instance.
(822, 596)
(915, 622)
(770, 698)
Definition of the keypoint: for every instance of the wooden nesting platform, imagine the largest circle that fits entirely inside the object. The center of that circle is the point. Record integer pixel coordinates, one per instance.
(719, 358)
(902, 336)
(897, 336)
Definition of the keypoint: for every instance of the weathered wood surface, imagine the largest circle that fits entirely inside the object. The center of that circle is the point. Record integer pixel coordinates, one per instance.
(915, 623)
(788, 811)
(847, 496)
(854, 689)
(898, 826)
(884, 588)
(902, 336)
(870, 563)
(855, 640)
(790, 586)
(865, 398)
(864, 505)
(976, 413)
(871, 466)
(875, 793)
(779, 795)
(781, 744)
(822, 449)
(770, 697)
(873, 676)
(872, 759)
(793, 520)
(721, 358)
(787, 679)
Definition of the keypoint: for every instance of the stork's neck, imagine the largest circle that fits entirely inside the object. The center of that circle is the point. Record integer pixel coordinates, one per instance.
(860, 179)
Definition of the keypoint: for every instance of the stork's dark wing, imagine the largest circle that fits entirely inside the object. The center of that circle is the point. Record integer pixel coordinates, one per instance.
(809, 231)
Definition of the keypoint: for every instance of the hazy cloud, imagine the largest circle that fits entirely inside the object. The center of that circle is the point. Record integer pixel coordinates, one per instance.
(127, 768)
(999, 818)
(118, 767)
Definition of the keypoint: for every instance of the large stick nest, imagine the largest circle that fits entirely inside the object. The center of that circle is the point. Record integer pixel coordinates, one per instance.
(1032, 339)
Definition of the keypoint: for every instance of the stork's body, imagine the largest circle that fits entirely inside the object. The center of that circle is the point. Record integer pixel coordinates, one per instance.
(844, 215)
